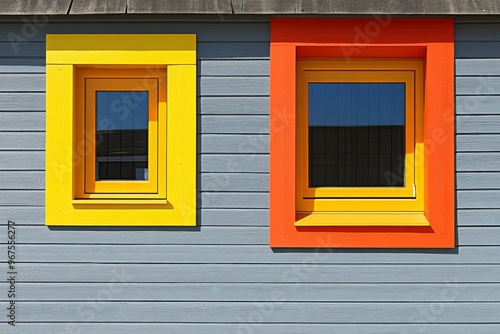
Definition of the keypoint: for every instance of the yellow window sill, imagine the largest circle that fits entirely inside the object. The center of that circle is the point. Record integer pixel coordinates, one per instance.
(361, 219)
(119, 201)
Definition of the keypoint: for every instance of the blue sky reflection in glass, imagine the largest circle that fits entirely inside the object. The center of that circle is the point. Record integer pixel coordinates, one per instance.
(122, 135)
(356, 134)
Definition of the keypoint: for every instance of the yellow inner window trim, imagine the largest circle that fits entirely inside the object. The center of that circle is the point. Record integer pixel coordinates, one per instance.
(168, 196)
(88, 82)
(359, 76)
(363, 206)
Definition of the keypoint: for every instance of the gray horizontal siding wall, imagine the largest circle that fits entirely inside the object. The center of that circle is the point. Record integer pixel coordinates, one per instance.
(222, 277)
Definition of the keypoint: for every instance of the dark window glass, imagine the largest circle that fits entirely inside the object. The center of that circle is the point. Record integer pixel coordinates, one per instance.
(122, 135)
(356, 134)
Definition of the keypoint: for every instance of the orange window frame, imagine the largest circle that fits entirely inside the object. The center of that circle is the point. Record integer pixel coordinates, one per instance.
(429, 40)
(88, 82)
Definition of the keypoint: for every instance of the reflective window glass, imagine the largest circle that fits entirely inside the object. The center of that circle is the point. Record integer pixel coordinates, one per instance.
(356, 134)
(122, 135)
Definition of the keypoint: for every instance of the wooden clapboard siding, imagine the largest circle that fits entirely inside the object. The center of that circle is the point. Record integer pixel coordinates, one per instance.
(231, 251)
(221, 276)
(246, 325)
(22, 121)
(283, 312)
(247, 233)
(18, 102)
(214, 105)
(477, 127)
(256, 292)
(219, 32)
(288, 274)
(234, 124)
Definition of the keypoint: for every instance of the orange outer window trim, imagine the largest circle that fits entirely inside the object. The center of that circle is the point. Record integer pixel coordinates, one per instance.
(427, 39)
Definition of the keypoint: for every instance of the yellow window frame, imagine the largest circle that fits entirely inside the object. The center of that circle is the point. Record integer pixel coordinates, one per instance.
(70, 55)
(353, 206)
(150, 79)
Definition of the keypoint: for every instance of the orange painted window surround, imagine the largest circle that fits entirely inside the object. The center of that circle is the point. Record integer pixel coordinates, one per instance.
(432, 41)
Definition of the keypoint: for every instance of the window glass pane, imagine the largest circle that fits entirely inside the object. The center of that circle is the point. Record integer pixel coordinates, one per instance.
(356, 134)
(122, 135)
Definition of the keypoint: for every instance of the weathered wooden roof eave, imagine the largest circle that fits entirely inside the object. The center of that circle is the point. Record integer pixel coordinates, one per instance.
(251, 7)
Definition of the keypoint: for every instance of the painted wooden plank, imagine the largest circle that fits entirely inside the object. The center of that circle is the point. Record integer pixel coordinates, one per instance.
(17, 47)
(480, 199)
(22, 121)
(226, 235)
(256, 292)
(235, 217)
(22, 141)
(98, 7)
(282, 312)
(22, 101)
(216, 31)
(476, 142)
(485, 236)
(241, 144)
(22, 82)
(249, 326)
(484, 31)
(233, 67)
(19, 66)
(477, 104)
(294, 274)
(477, 49)
(477, 162)
(227, 31)
(206, 235)
(238, 182)
(477, 67)
(210, 105)
(22, 197)
(225, 50)
(24, 160)
(205, 49)
(234, 200)
(22, 180)
(31, 7)
(179, 7)
(234, 124)
(478, 124)
(209, 217)
(23, 216)
(236, 163)
(478, 85)
(231, 254)
(490, 217)
(473, 181)
(229, 86)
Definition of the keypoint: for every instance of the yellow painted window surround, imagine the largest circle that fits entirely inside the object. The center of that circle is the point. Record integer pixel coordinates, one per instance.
(363, 206)
(78, 66)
